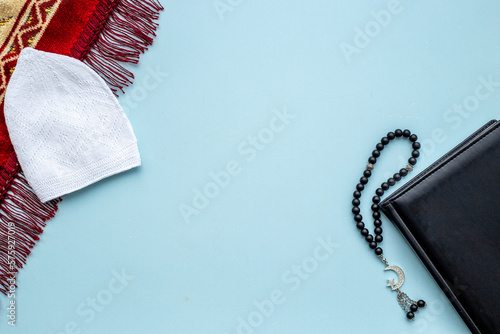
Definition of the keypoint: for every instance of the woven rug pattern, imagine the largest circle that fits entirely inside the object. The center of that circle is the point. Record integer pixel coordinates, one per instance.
(102, 34)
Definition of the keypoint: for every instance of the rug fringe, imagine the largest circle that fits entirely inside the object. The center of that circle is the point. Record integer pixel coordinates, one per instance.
(22, 219)
(118, 32)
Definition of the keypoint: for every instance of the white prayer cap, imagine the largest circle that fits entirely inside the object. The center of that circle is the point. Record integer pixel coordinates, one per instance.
(67, 127)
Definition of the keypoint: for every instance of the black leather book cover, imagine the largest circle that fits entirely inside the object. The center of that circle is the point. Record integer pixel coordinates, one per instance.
(450, 214)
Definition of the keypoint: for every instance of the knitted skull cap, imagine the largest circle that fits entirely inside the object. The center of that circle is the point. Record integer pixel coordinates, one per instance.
(67, 127)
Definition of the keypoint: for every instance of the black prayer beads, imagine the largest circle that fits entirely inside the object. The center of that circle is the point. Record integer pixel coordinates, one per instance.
(373, 241)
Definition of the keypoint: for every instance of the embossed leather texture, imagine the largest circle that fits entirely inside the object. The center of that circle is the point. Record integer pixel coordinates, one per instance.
(450, 214)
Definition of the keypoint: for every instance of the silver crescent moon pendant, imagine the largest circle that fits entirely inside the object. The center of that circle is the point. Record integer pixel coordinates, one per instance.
(401, 277)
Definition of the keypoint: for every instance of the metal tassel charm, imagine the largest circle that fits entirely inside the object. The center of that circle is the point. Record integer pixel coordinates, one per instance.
(407, 304)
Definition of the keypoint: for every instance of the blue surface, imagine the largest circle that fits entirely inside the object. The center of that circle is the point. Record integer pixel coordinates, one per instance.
(252, 259)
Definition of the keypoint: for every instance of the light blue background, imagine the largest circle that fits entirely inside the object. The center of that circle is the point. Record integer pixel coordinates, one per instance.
(225, 78)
